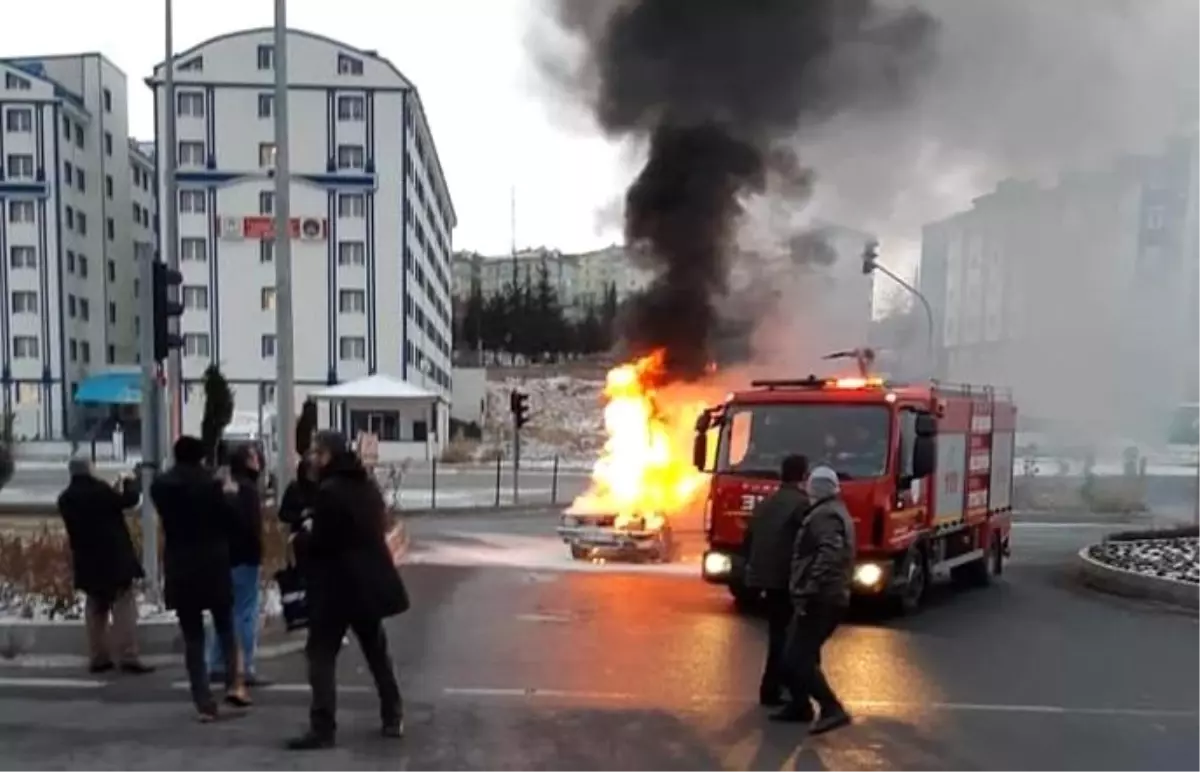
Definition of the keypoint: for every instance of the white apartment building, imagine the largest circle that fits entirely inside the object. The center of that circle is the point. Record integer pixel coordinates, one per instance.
(372, 220)
(65, 234)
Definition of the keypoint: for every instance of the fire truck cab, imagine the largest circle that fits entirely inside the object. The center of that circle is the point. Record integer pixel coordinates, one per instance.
(925, 469)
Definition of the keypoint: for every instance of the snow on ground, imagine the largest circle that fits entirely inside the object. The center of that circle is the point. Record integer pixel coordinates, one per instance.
(1175, 559)
(17, 607)
(565, 418)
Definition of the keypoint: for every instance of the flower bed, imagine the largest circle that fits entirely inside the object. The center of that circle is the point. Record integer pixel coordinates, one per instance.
(37, 584)
(1175, 558)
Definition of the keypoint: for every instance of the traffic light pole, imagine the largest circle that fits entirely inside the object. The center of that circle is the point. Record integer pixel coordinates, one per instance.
(152, 451)
(516, 459)
(285, 391)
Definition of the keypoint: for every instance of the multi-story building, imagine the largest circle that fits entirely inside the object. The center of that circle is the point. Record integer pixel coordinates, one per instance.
(143, 194)
(1081, 296)
(371, 213)
(65, 234)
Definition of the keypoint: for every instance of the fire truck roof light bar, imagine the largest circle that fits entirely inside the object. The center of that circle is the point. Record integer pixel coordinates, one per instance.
(812, 382)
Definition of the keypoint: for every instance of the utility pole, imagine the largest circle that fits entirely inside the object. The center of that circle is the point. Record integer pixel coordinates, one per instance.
(169, 238)
(285, 391)
(152, 451)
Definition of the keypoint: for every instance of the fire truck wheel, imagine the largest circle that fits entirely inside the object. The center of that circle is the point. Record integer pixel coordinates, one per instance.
(912, 594)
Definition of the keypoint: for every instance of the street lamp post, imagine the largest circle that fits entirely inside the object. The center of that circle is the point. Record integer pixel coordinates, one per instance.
(870, 263)
(285, 393)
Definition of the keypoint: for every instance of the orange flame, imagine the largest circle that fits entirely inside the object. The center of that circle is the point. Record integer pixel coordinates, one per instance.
(645, 471)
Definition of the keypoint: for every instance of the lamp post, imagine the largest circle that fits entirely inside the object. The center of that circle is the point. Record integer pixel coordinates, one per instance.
(285, 393)
(870, 263)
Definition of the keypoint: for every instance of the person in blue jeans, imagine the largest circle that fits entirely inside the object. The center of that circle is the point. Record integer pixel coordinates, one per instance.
(245, 552)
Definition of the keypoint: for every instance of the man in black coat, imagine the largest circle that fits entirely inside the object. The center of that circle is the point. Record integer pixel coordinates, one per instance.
(198, 524)
(105, 564)
(352, 584)
(770, 535)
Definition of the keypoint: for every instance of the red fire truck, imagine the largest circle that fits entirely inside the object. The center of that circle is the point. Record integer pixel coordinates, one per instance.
(926, 473)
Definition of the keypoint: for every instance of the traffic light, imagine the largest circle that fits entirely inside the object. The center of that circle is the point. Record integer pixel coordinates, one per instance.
(869, 256)
(165, 309)
(518, 403)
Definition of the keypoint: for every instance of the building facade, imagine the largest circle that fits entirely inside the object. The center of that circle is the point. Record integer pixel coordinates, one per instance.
(372, 219)
(1081, 296)
(66, 234)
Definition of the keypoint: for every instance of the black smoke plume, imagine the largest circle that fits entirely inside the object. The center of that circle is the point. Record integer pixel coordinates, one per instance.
(716, 88)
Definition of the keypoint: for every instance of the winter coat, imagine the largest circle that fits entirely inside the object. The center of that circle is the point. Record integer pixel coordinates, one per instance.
(823, 559)
(350, 570)
(295, 506)
(246, 544)
(198, 524)
(102, 555)
(770, 536)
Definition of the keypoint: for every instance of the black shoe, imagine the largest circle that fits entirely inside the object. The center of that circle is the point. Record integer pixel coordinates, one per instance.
(100, 667)
(310, 741)
(393, 729)
(135, 667)
(771, 698)
(830, 720)
(792, 715)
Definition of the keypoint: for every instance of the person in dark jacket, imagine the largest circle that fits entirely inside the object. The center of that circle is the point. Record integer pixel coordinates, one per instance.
(822, 568)
(295, 509)
(198, 525)
(770, 535)
(245, 553)
(104, 563)
(353, 584)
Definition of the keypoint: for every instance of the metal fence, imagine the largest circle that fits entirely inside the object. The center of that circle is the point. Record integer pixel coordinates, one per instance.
(431, 485)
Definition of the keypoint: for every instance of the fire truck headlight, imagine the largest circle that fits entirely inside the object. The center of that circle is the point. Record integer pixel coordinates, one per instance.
(717, 564)
(867, 574)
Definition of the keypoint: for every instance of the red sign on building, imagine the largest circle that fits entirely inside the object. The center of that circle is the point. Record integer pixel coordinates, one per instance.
(262, 227)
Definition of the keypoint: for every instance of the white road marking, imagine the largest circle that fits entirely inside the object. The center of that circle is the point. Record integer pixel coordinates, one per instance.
(52, 683)
(1019, 525)
(863, 705)
(285, 688)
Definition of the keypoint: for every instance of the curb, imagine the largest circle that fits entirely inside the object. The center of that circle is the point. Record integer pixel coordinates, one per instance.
(1130, 584)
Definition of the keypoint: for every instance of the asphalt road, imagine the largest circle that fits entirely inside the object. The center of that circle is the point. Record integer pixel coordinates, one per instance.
(533, 667)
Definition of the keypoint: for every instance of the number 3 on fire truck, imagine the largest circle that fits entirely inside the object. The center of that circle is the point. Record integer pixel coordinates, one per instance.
(750, 501)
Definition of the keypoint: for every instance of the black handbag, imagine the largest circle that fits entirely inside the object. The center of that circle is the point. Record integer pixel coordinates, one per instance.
(293, 595)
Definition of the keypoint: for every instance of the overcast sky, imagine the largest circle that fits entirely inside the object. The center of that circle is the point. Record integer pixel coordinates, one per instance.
(467, 58)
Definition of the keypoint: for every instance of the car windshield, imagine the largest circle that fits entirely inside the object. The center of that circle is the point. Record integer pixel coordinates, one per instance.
(853, 439)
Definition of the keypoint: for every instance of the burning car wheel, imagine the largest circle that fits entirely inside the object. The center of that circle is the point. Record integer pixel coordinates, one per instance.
(580, 553)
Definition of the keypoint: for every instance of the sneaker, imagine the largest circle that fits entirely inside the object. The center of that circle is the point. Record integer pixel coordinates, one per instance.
(136, 667)
(393, 729)
(310, 741)
(238, 699)
(207, 714)
(100, 667)
(834, 719)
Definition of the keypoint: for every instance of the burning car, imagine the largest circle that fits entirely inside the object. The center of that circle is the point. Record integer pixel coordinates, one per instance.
(644, 475)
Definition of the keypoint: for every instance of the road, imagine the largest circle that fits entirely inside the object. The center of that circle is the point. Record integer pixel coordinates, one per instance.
(525, 665)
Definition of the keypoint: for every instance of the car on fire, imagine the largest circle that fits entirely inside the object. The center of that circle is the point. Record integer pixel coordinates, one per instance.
(926, 473)
(611, 537)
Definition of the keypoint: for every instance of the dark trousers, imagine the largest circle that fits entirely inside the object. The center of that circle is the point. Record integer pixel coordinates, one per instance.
(806, 635)
(191, 625)
(324, 642)
(778, 606)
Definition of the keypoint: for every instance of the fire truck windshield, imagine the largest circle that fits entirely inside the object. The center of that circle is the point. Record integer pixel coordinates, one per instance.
(853, 439)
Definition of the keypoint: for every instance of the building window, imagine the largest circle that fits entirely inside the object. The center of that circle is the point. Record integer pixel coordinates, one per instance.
(1155, 218)
(15, 83)
(193, 65)
(25, 347)
(83, 265)
(19, 166)
(19, 119)
(193, 248)
(112, 312)
(70, 261)
(266, 202)
(24, 302)
(112, 270)
(80, 180)
(352, 301)
(22, 257)
(85, 351)
(267, 346)
(350, 157)
(266, 155)
(111, 355)
(266, 105)
(351, 108)
(266, 251)
(352, 348)
(108, 185)
(191, 154)
(196, 344)
(108, 145)
(85, 309)
(348, 65)
(352, 253)
(266, 57)
(190, 103)
(21, 211)
(195, 298)
(351, 205)
(267, 298)
(111, 228)
(192, 202)
(81, 223)
(107, 101)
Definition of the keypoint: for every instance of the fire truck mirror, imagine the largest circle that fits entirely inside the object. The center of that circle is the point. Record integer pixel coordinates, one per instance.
(924, 456)
(926, 425)
(703, 421)
(700, 451)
